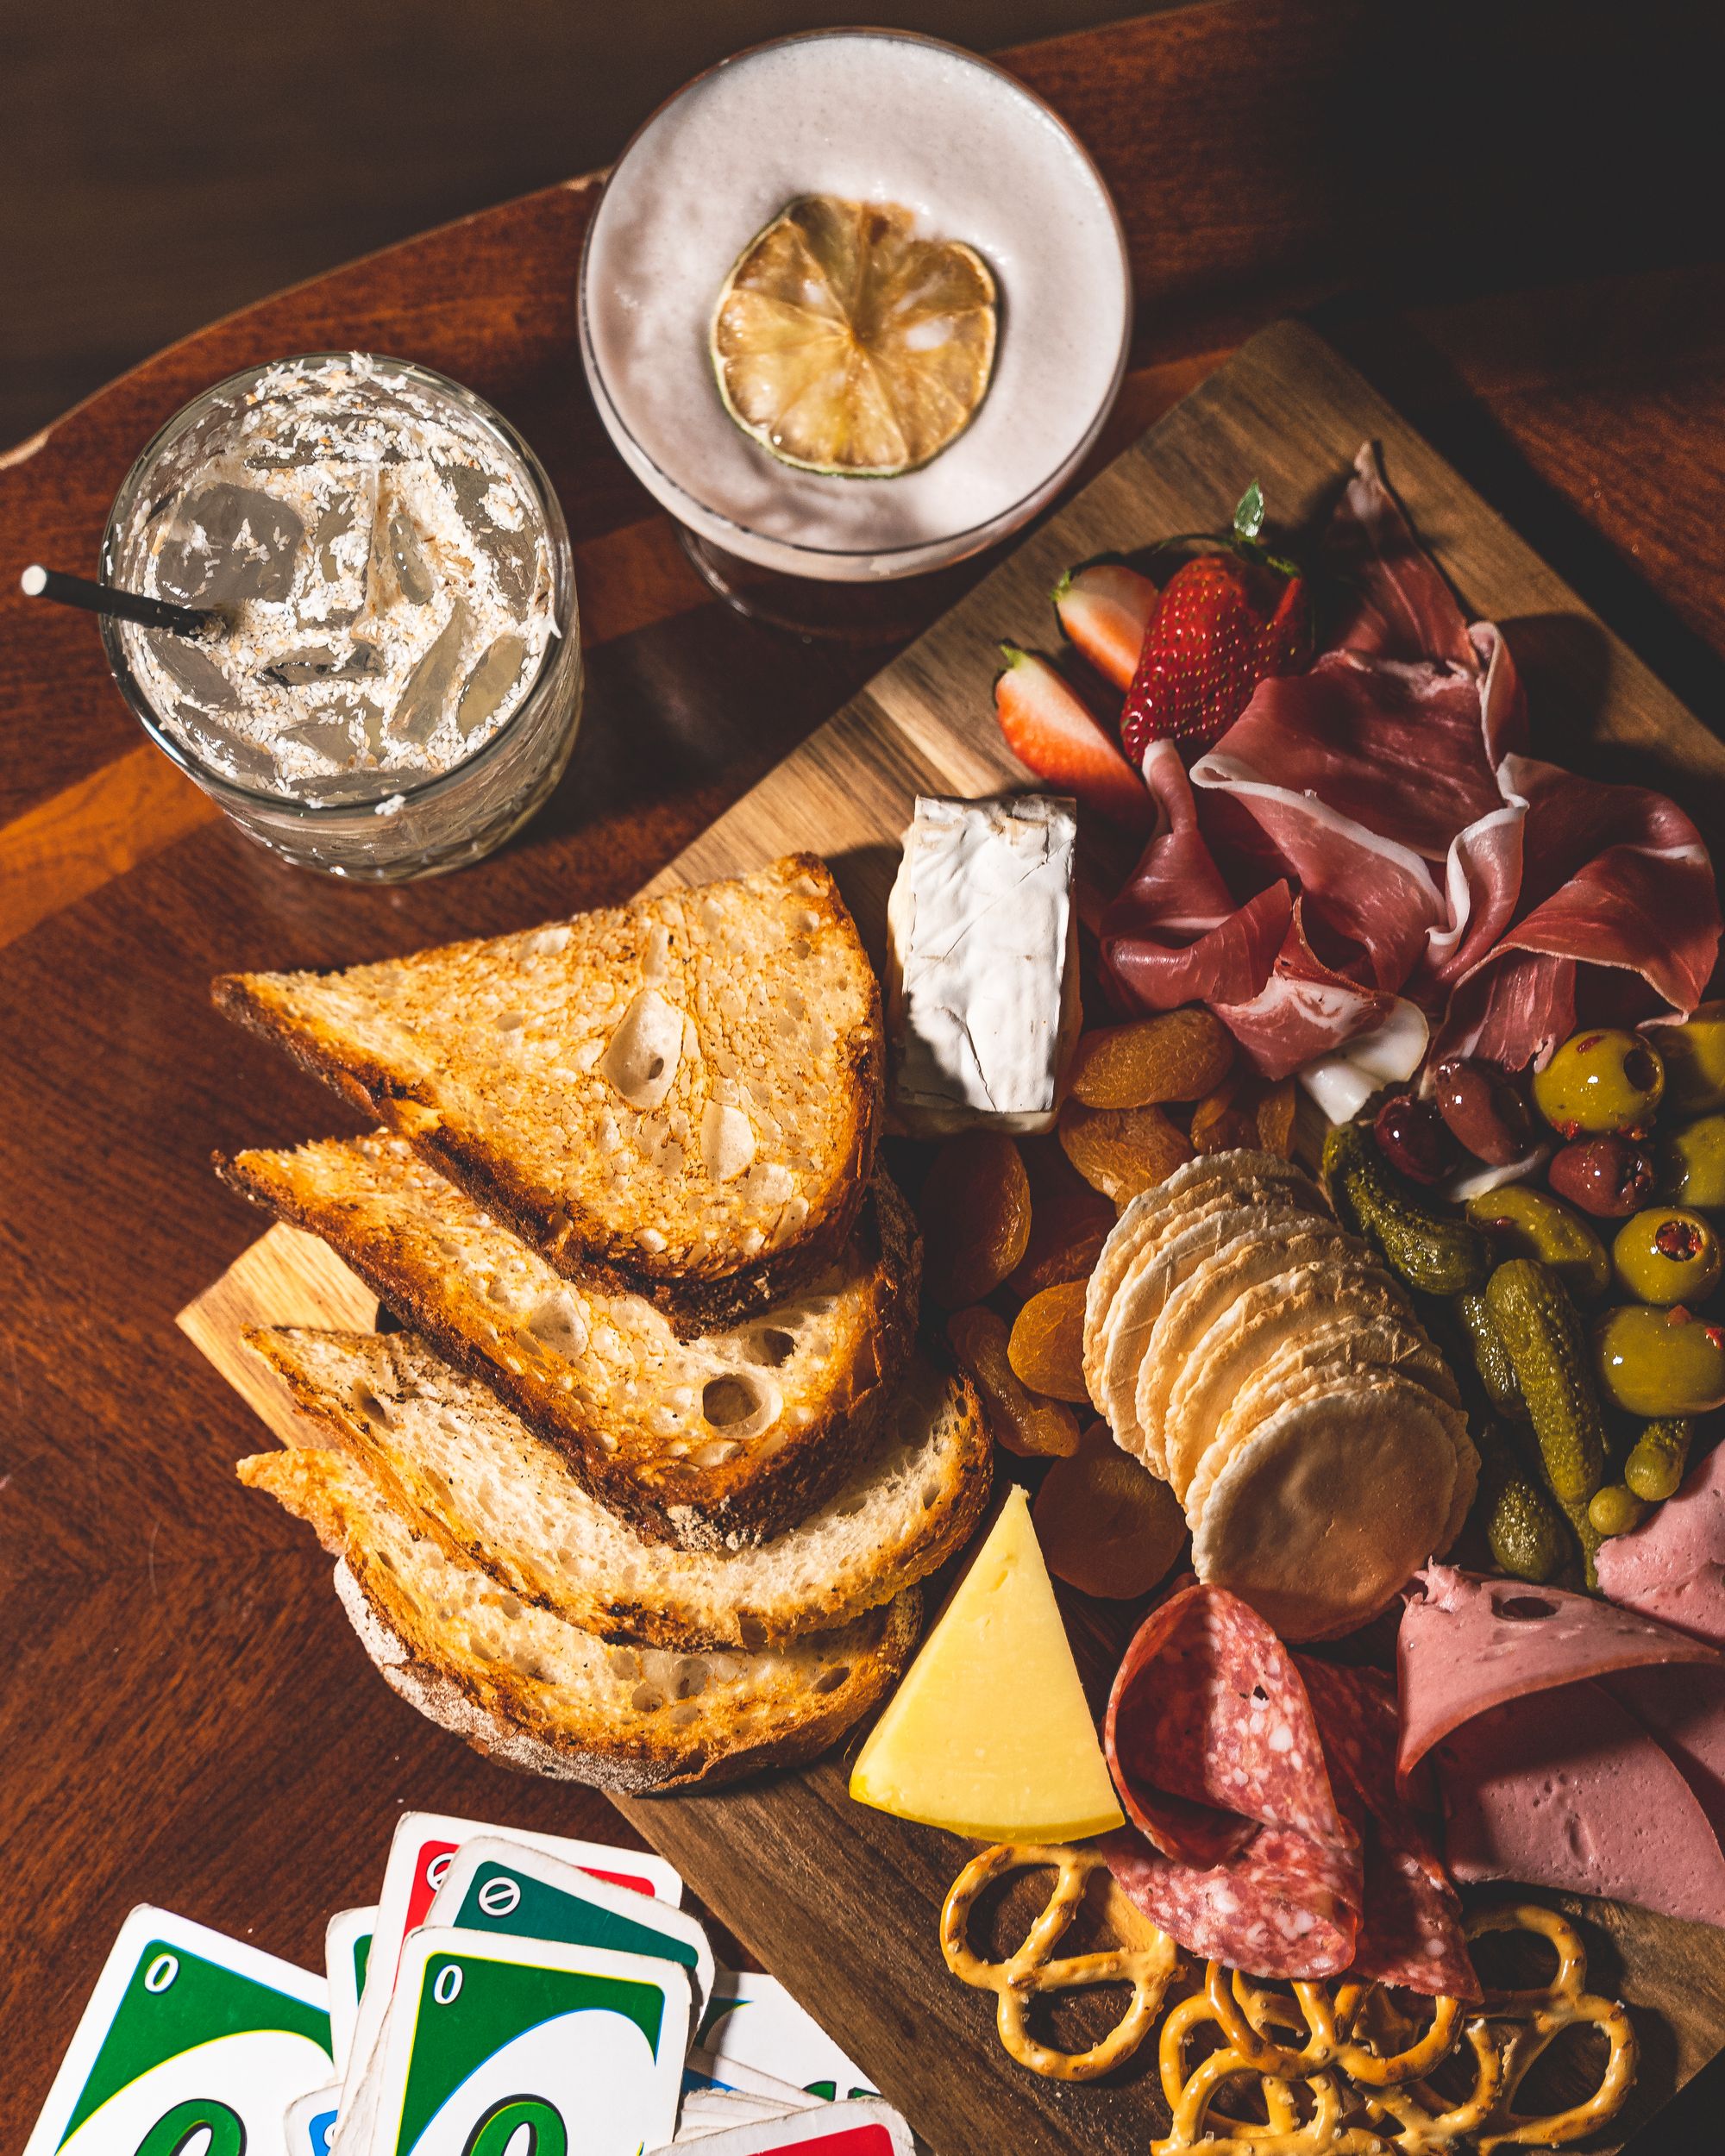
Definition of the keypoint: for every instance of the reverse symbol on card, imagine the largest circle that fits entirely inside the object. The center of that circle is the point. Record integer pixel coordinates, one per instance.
(520, 2125)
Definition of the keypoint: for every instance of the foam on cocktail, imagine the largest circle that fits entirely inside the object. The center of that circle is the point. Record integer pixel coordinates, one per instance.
(866, 117)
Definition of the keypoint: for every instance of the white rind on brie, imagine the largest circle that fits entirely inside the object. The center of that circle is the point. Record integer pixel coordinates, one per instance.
(982, 964)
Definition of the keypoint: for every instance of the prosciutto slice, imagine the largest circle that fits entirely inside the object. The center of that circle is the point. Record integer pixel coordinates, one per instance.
(1374, 828)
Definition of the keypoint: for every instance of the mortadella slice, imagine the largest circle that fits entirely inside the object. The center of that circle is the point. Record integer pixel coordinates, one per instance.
(1411, 1931)
(1468, 1644)
(1210, 1733)
(1673, 1567)
(1566, 1790)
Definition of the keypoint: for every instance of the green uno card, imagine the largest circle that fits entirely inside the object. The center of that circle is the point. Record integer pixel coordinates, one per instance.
(347, 1949)
(190, 2040)
(496, 1885)
(495, 2044)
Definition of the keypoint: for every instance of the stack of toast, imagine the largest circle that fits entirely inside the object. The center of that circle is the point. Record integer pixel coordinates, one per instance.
(640, 1493)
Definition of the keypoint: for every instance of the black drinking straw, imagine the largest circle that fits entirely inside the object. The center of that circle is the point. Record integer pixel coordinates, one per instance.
(37, 582)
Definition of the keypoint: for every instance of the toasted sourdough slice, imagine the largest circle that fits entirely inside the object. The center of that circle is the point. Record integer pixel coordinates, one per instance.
(727, 1438)
(679, 1097)
(452, 1458)
(543, 1695)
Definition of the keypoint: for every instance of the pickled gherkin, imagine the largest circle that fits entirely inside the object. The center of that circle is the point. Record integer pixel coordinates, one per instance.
(1431, 1251)
(1543, 1332)
(1491, 1361)
(1656, 1463)
(1615, 1510)
(1525, 1529)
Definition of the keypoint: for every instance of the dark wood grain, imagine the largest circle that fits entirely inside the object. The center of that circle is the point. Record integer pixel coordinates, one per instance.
(183, 1713)
(790, 1862)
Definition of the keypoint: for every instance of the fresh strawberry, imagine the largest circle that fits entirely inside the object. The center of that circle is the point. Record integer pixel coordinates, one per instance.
(1224, 622)
(1104, 609)
(1048, 726)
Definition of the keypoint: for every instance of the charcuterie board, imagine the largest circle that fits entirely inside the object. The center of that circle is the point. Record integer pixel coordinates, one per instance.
(842, 1902)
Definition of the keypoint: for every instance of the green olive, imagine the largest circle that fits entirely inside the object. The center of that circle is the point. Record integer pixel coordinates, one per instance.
(1655, 1362)
(1666, 1254)
(1692, 1163)
(1529, 1222)
(1694, 1056)
(1608, 1081)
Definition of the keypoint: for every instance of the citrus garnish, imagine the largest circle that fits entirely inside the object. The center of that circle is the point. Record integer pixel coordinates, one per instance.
(845, 344)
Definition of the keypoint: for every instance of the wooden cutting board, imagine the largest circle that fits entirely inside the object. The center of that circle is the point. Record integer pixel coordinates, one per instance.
(838, 1901)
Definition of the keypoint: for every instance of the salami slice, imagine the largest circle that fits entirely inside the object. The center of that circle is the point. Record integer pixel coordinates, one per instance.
(1210, 1735)
(1410, 1933)
(1284, 1906)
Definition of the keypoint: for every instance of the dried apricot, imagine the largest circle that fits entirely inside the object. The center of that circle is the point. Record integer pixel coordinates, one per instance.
(1224, 1121)
(1175, 1056)
(1047, 1349)
(1121, 1151)
(1105, 1523)
(974, 1213)
(1021, 1422)
(1068, 1229)
(1274, 1118)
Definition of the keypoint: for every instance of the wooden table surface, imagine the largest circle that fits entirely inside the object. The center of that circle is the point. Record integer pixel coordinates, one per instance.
(184, 1717)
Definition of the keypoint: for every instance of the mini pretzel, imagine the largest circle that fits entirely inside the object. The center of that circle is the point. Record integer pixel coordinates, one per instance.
(1192, 2098)
(1332, 2029)
(1029, 1971)
(1541, 2015)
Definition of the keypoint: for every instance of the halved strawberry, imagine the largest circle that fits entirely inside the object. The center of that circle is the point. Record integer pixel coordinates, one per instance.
(1105, 608)
(1223, 622)
(1048, 726)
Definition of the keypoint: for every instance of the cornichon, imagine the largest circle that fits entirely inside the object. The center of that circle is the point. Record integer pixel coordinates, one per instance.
(1524, 1528)
(1491, 1358)
(1541, 1329)
(1434, 1253)
(1658, 1458)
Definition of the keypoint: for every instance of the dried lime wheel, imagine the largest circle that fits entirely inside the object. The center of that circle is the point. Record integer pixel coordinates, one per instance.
(845, 344)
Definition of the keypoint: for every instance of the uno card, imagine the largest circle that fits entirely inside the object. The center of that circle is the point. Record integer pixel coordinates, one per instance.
(495, 2044)
(495, 1885)
(311, 2122)
(419, 1854)
(702, 2070)
(864, 2128)
(346, 1948)
(752, 2021)
(708, 2111)
(188, 2037)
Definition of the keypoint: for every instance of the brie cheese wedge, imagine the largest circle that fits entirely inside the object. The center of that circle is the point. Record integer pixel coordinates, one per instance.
(982, 964)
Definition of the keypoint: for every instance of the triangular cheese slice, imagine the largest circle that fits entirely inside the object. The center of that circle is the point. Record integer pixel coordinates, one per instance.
(990, 1734)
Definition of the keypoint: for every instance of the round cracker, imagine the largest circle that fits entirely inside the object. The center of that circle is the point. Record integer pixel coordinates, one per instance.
(1331, 1507)
(1193, 1305)
(1150, 1212)
(1349, 1344)
(1348, 1284)
(1165, 1260)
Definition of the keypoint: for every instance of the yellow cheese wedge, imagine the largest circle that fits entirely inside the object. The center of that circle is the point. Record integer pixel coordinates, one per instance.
(990, 1734)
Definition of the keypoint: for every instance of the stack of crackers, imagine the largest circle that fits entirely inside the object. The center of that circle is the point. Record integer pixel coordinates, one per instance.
(1260, 1359)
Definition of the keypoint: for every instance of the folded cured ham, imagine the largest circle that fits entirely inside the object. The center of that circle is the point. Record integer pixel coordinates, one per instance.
(1267, 1829)
(1575, 1745)
(1371, 835)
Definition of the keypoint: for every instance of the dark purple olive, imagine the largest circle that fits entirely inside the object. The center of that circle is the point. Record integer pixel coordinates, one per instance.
(1484, 1113)
(1411, 1137)
(1609, 1177)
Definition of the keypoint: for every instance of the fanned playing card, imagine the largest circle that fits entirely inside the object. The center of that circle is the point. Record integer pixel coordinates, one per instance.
(190, 2039)
(494, 2044)
(494, 1884)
